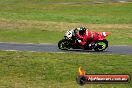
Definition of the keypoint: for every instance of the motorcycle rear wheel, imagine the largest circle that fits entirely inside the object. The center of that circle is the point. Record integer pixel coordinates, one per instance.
(63, 44)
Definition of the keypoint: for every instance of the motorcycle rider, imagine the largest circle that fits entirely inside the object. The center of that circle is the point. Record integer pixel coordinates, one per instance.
(85, 36)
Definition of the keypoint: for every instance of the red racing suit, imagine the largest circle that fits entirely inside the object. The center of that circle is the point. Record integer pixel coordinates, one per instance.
(88, 36)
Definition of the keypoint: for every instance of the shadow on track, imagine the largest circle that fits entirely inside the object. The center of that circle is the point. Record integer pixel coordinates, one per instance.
(85, 51)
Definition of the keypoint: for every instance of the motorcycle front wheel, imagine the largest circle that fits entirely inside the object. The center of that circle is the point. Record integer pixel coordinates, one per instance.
(64, 44)
(101, 45)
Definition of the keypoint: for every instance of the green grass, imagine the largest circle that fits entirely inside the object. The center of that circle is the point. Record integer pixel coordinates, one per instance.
(117, 36)
(51, 32)
(30, 36)
(43, 21)
(80, 13)
(42, 1)
(26, 69)
(24, 21)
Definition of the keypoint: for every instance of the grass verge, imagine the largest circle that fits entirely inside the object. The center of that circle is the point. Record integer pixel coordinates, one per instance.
(43, 21)
(56, 70)
(97, 14)
(51, 32)
(73, 13)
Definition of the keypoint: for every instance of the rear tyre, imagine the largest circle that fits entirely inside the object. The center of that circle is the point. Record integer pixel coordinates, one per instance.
(101, 45)
(63, 44)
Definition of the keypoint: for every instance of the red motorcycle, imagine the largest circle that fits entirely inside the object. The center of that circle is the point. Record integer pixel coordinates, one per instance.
(70, 42)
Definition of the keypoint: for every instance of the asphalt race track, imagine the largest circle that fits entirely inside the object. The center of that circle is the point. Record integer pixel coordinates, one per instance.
(54, 48)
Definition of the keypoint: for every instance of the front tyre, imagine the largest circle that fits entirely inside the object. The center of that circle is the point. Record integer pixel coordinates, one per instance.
(64, 44)
(101, 45)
